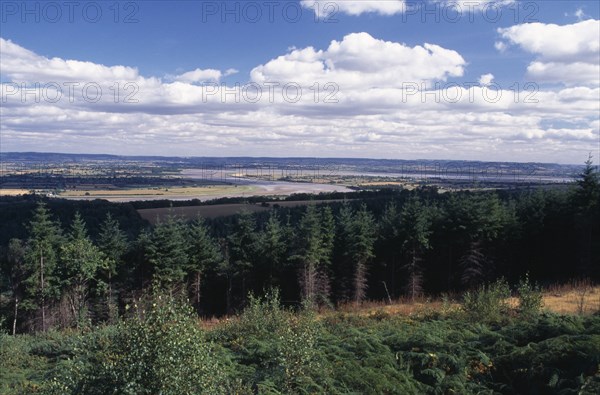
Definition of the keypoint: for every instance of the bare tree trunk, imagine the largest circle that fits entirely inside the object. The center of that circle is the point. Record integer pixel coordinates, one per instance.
(360, 282)
(387, 292)
(228, 295)
(197, 289)
(308, 283)
(14, 329)
(42, 291)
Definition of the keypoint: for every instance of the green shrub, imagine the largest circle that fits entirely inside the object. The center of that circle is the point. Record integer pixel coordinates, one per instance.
(163, 353)
(277, 349)
(530, 298)
(488, 303)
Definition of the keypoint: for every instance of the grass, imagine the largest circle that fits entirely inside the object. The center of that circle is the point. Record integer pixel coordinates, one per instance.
(578, 298)
(161, 191)
(13, 192)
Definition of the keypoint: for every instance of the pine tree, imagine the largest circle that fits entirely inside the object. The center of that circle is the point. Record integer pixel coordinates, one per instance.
(390, 239)
(167, 253)
(16, 273)
(476, 220)
(242, 248)
(113, 243)
(272, 251)
(311, 258)
(587, 192)
(586, 198)
(473, 266)
(203, 254)
(362, 236)
(344, 265)
(81, 262)
(41, 282)
(416, 229)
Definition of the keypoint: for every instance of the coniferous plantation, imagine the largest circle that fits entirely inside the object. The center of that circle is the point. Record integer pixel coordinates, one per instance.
(95, 300)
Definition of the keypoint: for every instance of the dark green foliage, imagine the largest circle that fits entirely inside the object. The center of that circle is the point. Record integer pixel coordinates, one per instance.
(203, 255)
(312, 255)
(271, 350)
(113, 242)
(167, 253)
(275, 349)
(42, 282)
(81, 262)
(415, 220)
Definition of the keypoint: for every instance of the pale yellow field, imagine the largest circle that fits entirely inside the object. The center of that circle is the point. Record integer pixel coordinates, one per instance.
(568, 299)
(13, 192)
(166, 192)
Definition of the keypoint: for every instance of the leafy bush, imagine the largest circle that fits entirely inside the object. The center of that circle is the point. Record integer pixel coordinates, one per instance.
(163, 353)
(276, 348)
(530, 298)
(271, 350)
(488, 303)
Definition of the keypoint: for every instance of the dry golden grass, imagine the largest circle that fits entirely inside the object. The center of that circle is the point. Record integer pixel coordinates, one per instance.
(570, 300)
(574, 298)
(166, 192)
(580, 298)
(13, 192)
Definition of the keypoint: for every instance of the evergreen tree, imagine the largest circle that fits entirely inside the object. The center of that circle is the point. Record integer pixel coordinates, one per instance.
(81, 262)
(586, 199)
(344, 265)
(203, 254)
(272, 251)
(475, 220)
(15, 257)
(416, 230)
(362, 240)
(167, 253)
(311, 258)
(587, 192)
(242, 247)
(113, 243)
(328, 234)
(390, 239)
(42, 284)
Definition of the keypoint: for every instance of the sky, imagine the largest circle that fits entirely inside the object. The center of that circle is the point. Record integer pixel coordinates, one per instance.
(498, 80)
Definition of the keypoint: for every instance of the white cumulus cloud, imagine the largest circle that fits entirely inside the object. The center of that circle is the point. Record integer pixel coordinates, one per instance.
(360, 60)
(568, 54)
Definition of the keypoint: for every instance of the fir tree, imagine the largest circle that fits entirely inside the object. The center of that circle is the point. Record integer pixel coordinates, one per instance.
(362, 240)
(272, 251)
(167, 253)
(203, 254)
(80, 264)
(416, 229)
(113, 243)
(41, 281)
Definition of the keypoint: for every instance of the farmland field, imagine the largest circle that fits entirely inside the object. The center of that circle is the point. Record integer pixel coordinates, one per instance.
(174, 193)
(152, 215)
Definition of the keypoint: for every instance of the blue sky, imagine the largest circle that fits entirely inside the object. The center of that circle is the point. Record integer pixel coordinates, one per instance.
(159, 42)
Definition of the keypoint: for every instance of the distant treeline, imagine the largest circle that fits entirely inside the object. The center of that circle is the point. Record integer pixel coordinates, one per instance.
(66, 263)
